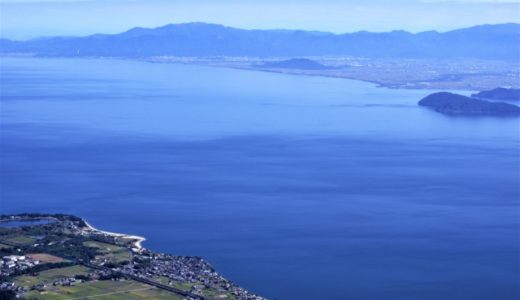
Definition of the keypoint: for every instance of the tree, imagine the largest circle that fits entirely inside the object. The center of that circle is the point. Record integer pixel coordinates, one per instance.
(7, 295)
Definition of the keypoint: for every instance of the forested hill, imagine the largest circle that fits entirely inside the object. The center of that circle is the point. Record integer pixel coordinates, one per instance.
(501, 42)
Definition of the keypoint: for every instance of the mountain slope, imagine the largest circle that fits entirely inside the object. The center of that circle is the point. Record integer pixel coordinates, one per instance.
(199, 39)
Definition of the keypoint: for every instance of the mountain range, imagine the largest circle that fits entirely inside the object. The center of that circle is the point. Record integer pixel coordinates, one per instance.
(499, 42)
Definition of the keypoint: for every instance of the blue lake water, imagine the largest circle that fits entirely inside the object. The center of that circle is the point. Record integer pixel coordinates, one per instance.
(293, 187)
(14, 224)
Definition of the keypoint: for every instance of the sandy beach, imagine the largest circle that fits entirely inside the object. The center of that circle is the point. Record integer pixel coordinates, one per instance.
(137, 240)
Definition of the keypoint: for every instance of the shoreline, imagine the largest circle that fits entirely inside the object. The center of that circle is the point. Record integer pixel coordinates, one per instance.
(136, 240)
(185, 276)
(435, 83)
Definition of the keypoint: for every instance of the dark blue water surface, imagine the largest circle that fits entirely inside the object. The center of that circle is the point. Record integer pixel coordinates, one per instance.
(14, 224)
(294, 187)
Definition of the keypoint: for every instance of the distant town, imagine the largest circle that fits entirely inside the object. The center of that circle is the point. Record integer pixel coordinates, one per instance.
(447, 74)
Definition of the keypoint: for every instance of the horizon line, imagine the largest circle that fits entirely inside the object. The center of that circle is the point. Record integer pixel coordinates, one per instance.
(258, 29)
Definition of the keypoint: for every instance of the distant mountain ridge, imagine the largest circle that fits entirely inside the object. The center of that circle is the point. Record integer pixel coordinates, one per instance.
(501, 42)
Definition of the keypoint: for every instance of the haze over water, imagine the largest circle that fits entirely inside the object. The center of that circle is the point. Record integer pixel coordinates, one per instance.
(293, 187)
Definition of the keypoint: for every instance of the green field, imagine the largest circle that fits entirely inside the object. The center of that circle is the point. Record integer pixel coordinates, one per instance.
(20, 239)
(212, 294)
(109, 290)
(110, 252)
(185, 286)
(50, 275)
(2, 246)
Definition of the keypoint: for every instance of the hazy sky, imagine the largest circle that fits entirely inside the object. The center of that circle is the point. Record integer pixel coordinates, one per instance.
(22, 19)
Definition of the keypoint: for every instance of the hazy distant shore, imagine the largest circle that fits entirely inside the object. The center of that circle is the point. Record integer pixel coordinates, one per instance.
(420, 74)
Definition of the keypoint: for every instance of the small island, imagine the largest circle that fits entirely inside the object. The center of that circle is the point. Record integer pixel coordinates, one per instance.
(503, 94)
(56, 256)
(454, 104)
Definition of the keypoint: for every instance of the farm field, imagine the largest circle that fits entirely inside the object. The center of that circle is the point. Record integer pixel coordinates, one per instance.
(45, 258)
(20, 240)
(109, 290)
(50, 275)
(110, 252)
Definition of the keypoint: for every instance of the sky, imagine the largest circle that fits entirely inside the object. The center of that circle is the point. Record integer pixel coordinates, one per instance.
(25, 19)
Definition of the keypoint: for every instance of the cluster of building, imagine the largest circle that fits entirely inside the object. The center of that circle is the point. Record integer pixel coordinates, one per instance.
(10, 286)
(466, 74)
(13, 264)
(69, 281)
(151, 265)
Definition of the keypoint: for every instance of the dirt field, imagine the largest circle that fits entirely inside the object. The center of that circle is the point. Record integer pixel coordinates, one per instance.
(45, 258)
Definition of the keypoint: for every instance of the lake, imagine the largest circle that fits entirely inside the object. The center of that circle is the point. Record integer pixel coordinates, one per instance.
(294, 187)
(15, 224)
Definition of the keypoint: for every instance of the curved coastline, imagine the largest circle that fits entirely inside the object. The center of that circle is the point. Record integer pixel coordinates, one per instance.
(137, 240)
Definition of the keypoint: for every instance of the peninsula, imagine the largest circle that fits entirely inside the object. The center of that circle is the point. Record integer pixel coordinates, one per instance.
(52, 256)
(503, 94)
